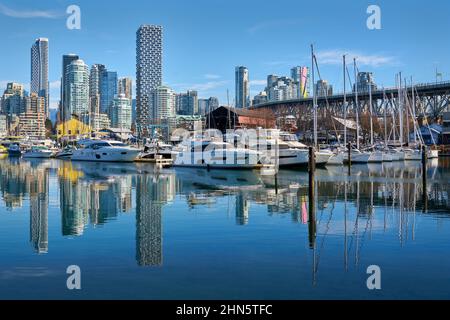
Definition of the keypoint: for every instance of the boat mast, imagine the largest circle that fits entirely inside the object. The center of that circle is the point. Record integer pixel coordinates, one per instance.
(356, 104)
(385, 119)
(400, 107)
(371, 114)
(407, 103)
(414, 111)
(345, 106)
(314, 95)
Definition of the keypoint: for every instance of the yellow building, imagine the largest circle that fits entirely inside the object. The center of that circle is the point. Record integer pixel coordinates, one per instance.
(72, 129)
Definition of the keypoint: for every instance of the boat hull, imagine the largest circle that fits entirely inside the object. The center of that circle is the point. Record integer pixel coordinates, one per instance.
(106, 155)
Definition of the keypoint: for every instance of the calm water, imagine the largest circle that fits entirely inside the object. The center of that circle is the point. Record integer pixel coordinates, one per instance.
(193, 234)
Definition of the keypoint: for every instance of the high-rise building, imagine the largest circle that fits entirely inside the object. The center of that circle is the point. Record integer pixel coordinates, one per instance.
(203, 106)
(108, 90)
(77, 94)
(126, 87)
(213, 103)
(323, 89)
(282, 88)
(187, 103)
(300, 75)
(32, 119)
(364, 82)
(260, 98)
(242, 87)
(95, 78)
(64, 104)
(163, 103)
(121, 113)
(39, 71)
(149, 40)
(12, 99)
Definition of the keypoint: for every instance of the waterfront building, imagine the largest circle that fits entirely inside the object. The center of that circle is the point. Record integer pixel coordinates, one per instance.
(12, 99)
(64, 103)
(364, 82)
(260, 98)
(121, 112)
(108, 90)
(94, 87)
(39, 71)
(126, 87)
(213, 103)
(148, 71)
(3, 126)
(281, 88)
(72, 129)
(32, 120)
(163, 103)
(202, 106)
(324, 89)
(187, 103)
(224, 118)
(77, 77)
(301, 76)
(242, 88)
(207, 105)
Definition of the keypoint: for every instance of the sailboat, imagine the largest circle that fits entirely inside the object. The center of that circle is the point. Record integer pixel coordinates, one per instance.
(376, 155)
(414, 153)
(357, 156)
(338, 156)
(322, 156)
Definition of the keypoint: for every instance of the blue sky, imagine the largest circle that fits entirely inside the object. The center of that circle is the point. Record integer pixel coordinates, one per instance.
(205, 40)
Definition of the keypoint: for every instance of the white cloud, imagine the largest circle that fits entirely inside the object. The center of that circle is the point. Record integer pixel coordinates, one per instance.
(55, 84)
(211, 76)
(334, 57)
(207, 86)
(24, 14)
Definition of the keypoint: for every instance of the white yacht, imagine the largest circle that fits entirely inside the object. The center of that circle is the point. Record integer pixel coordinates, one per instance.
(214, 154)
(104, 151)
(413, 154)
(322, 156)
(433, 154)
(38, 152)
(65, 153)
(157, 148)
(357, 156)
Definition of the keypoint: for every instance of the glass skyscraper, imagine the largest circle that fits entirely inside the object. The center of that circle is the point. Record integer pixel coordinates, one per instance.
(108, 90)
(242, 88)
(78, 87)
(148, 71)
(39, 71)
(64, 105)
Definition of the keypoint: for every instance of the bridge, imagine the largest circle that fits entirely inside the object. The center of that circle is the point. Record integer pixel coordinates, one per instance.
(431, 100)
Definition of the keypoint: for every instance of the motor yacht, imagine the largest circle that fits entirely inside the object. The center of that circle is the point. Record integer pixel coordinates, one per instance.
(104, 151)
(38, 152)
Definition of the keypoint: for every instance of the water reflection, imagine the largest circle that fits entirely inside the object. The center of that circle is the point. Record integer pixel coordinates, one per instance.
(374, 198)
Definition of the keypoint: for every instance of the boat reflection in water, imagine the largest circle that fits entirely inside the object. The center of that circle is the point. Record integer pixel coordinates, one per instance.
(377, 206)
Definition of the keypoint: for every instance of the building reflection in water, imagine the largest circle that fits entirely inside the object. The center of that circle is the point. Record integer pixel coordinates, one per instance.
(152, 193)
(89, 193)
(97, 193)
(38, 178)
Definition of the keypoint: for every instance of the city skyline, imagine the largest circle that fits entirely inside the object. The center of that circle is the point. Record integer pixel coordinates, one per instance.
(204, 74)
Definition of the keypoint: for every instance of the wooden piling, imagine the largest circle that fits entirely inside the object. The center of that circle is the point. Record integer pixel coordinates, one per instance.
(424, 179)
(349, 160)
(311, 195)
